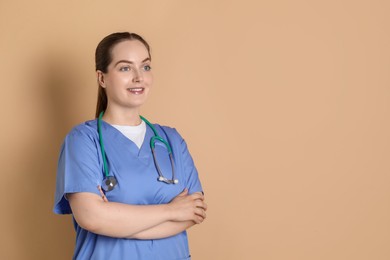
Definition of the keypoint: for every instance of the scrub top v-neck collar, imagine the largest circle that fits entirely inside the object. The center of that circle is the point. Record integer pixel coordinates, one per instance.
(117, 138)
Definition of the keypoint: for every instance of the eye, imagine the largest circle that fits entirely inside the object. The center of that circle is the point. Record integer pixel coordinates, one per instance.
(125, 68)
(147, 67)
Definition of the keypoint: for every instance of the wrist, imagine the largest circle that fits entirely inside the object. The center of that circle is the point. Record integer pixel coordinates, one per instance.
(168, 212)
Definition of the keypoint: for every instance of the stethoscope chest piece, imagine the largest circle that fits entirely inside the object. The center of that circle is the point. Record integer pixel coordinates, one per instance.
(109, 183)
(167, 181)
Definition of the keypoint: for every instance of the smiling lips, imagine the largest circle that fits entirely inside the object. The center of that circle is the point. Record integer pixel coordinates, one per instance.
(136, 91)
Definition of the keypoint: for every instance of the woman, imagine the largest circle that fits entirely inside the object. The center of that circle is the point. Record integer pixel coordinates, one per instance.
(127, 202)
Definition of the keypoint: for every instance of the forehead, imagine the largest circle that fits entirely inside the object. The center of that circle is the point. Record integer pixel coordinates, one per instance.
(131, 50)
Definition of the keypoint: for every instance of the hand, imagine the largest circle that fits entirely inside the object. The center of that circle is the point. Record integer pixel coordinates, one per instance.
(186, 207)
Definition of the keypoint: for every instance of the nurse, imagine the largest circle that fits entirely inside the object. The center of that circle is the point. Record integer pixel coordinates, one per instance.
(141, 217)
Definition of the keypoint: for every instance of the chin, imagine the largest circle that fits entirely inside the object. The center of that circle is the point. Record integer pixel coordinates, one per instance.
(136, 104)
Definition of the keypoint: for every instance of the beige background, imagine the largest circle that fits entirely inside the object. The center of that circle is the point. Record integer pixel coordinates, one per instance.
(284, 105)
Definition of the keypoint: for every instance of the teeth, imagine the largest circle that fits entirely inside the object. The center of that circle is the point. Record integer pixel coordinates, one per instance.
(136, 89)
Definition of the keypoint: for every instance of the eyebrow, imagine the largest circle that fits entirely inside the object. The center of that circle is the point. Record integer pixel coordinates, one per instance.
(130, 62)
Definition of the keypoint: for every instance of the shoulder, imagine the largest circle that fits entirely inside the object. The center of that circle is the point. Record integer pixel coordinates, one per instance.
(86, 130)
(168, 131)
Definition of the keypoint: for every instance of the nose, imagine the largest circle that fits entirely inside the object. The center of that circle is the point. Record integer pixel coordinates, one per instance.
(137, 76)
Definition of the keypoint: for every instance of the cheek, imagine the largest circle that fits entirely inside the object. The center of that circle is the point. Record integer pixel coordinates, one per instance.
(116, 80)
(149, 80)
(123, 79)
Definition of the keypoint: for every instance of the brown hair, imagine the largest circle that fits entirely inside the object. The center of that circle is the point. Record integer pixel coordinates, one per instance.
(103, 59)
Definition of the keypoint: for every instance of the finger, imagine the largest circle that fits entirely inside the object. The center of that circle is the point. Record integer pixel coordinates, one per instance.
(200, 213)
(198, 220)
(197, 196)
(102, 194)
(201, 204)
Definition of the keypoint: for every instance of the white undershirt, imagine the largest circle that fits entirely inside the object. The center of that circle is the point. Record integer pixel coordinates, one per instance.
(134, 133)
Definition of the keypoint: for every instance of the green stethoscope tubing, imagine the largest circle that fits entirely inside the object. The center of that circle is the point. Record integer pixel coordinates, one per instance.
(102, 145)
(153, 140)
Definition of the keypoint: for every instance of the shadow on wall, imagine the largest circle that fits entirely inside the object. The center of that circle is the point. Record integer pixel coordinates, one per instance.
(41, 234)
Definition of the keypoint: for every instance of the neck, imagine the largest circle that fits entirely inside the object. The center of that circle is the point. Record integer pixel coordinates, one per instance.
(128, 117)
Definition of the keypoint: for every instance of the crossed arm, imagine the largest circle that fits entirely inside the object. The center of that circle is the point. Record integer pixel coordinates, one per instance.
(98, 215)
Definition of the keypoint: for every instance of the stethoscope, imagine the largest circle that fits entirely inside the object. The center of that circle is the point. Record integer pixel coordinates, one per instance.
(109, 182)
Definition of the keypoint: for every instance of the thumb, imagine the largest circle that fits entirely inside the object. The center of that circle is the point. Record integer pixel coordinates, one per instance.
(183, 193)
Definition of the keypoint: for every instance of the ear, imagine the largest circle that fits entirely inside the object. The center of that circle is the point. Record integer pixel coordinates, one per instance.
(100, 78)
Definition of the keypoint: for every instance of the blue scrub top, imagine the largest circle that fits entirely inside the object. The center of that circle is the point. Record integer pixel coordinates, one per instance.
(80, 169)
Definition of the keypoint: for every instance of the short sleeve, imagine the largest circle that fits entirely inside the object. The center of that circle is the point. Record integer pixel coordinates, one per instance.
(193, 183)
(79, 168)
